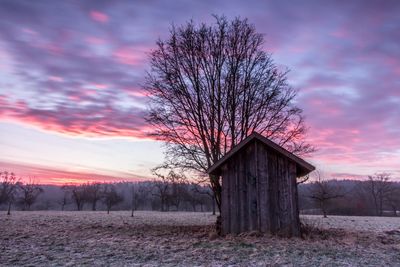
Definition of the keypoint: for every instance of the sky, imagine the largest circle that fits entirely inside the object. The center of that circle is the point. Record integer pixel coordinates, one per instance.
(72, 105)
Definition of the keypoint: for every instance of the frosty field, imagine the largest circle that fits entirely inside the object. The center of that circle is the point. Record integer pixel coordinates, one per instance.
(51, 238)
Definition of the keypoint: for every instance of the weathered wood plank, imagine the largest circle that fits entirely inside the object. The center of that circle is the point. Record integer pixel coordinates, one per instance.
(263, 177)
(295, 204)
(284, 197)
(252, 181)
(233, 195)
(273, 193)
(257, 183)
(225, 218)
(235, 223)
(237, 193)
(242, 196)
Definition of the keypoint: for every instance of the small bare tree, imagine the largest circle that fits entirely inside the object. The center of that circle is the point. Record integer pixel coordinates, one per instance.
(134, 199)
(161, 187)
(393, 199)
(170, 186)
(202, 191)
(77, 193)
(177, 188)
(30, 191)
(110, 196)
(65, 198)
(380, 189)
(8, 189)
(92, 193)
(139, 195)
(323, 191)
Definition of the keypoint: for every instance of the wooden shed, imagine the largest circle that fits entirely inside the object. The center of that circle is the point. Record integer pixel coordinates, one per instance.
(259, 189)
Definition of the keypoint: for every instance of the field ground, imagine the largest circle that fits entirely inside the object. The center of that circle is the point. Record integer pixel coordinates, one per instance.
(51, 238)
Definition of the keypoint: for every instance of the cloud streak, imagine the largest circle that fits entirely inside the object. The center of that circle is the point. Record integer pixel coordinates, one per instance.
(54, 176)
(74, 119)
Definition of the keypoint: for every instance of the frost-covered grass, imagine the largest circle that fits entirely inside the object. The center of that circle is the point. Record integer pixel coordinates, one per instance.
(350, 223)
(186, 239)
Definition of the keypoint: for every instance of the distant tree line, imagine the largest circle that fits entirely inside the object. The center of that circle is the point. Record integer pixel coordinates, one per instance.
(378, 195)
(171, 192)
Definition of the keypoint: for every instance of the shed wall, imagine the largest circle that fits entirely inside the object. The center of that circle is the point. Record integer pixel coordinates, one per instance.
(259, 192)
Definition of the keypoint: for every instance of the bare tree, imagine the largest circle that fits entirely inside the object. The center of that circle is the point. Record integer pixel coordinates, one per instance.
(8, 189)
(139, 193)
(202, 191)
(192, 195)
(92, 193)
(29, 193)
(65, 198)
(177, 188)
(379, 188)
(77, 194)
(210, 86)
(323, 191)
(110, 196)
(393, 199)
(170, 186)
(161, 186)
(134, 199)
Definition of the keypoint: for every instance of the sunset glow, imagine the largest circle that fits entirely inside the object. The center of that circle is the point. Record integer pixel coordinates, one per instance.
(72, 105)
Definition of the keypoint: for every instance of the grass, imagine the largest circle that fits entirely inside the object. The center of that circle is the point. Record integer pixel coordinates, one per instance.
(185, 239)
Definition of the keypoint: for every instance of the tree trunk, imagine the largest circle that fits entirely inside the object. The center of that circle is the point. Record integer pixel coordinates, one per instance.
(9, 208)
(323, 209)
(217, 190)
(213, 206)
(133, 206)
(376, 207)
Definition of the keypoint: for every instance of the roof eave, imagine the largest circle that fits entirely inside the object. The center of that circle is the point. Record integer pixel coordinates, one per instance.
(299, 162)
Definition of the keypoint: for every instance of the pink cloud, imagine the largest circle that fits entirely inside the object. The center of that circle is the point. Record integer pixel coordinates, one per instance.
(58, 176)
(29, 31)
(95, 40)
(136, 92)
(341, 33)
(99, 86)
(99, 16)
(56, 79)
(128, 56)
(91, 120)
(50, 48)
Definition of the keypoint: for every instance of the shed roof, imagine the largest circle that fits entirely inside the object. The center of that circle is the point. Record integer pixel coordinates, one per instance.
(303, 167)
